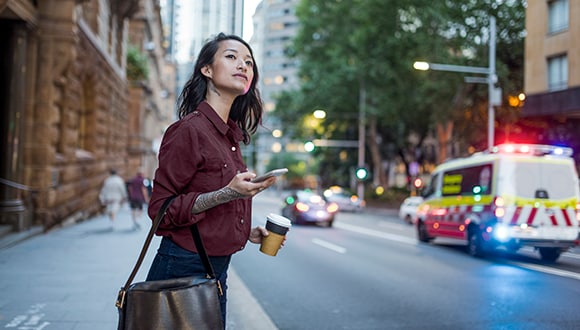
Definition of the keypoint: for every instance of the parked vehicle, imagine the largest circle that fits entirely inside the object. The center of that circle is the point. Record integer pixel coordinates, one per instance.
(512, 196)
(346, 200)
(408, 208)
(307, 207)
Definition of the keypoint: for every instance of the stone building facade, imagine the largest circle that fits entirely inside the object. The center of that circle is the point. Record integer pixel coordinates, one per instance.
(68, 112)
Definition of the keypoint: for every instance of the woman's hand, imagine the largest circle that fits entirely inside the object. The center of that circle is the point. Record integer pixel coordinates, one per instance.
(258, 233)
(241, 183)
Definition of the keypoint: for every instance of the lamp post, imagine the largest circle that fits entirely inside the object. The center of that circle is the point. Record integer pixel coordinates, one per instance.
(359, 143)
(360, 188)
(490, 80)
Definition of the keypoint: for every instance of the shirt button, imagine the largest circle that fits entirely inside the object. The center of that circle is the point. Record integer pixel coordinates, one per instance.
(225, 165)
(233, 148)
(242, 220)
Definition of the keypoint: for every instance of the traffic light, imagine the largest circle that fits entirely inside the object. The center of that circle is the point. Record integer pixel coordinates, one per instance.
(309, 146)
(417, 183)
(361, 173)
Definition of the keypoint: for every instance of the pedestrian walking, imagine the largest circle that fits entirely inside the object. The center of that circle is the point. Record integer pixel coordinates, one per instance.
(201, 164)
(113, 193)
(138, 195)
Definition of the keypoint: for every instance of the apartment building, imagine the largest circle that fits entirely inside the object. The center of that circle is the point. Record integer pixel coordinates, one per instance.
(552, 60)
(275, 25)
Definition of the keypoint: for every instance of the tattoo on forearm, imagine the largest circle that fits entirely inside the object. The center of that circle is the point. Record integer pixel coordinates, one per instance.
(214, 198)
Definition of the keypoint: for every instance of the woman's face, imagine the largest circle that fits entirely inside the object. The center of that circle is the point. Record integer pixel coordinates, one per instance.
(232, 70)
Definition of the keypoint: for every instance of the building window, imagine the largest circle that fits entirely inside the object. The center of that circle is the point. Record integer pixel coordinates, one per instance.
(557, 73)
(276, 26)
(557, 16)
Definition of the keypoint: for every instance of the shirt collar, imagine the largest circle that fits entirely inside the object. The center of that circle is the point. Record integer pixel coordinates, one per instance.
(219, 124)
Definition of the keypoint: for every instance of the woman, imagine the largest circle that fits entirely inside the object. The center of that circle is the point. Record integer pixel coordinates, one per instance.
(113, 193)
(201, 164)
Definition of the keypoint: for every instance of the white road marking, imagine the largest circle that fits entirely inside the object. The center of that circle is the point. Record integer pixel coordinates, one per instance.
(406, 240)
(32, 319)
(389, 225)
(376, 233)
(565, 254)
(329, 245)
(547, 270)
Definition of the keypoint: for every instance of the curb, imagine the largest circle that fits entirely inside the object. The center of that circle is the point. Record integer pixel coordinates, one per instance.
(15, 238)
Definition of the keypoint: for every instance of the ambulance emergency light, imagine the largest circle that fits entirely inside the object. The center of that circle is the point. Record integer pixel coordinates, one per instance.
(532, 149)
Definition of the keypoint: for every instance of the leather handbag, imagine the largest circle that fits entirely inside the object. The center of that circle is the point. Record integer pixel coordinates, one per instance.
(187, 303)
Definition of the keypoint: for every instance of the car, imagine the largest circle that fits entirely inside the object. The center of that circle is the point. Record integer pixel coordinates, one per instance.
(307, 207)
(408, 208)
(346, 201)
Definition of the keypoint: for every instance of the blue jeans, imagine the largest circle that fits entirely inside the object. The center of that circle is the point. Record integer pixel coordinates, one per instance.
(172, 261)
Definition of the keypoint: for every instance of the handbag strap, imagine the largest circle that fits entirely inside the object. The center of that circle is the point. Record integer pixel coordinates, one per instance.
(198, 244)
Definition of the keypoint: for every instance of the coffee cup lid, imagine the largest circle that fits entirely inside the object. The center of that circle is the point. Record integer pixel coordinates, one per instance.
(279, 220)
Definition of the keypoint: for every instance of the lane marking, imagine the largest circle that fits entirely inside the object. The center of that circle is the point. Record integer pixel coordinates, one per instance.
(543, 269)
(391, 226)
(32, 319)
(329, 245)
(377, 233)
(547, 270)
(565, 254)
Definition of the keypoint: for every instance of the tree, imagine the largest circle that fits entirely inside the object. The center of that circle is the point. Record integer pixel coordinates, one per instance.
(343, 51)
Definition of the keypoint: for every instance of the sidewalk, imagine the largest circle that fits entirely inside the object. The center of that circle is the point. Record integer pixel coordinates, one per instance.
(68, 278)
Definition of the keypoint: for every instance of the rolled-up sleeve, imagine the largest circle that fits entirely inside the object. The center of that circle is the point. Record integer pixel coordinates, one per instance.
(178, 161)
(199, 154)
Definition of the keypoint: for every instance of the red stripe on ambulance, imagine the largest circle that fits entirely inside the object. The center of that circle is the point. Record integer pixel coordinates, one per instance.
(516, 215)
(553, 219)
(566, 217)
(532, 215)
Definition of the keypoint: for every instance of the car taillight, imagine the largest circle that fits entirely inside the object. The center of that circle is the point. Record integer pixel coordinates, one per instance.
(302, 207)
(332, 207)
(499, 210)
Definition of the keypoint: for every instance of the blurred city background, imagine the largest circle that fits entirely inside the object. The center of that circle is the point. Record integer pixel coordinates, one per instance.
(366, 101)
(90, 85)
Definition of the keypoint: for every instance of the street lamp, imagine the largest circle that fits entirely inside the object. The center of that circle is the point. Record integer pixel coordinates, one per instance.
(319, 114)
(490, 80)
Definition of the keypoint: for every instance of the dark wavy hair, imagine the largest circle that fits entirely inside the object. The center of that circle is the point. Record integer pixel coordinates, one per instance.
(246, 110)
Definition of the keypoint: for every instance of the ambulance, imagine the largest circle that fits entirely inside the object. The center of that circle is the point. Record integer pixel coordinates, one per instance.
(513, 196)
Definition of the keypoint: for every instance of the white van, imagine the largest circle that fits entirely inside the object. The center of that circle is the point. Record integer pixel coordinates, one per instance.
(515, 195)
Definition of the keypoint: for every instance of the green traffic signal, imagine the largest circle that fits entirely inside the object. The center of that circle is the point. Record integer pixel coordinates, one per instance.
(361, 173)
(309, 146)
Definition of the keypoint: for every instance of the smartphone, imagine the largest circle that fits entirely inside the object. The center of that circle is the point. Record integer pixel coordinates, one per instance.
(276, 172)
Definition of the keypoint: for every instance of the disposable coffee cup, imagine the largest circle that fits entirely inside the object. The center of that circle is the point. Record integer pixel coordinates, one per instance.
(277, 226)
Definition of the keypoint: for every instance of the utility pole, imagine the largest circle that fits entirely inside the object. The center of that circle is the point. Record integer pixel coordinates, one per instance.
(360, 188)
(491, 77)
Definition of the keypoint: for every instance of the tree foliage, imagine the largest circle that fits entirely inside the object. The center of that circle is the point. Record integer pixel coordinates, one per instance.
(345, 47)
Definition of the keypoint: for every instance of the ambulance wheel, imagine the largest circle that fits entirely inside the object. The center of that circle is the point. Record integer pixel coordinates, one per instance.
(475, 243)
(422, 232)
(549, 254)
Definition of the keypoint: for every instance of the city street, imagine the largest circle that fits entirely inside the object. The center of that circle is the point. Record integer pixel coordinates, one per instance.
(369, 272)
(366, 272)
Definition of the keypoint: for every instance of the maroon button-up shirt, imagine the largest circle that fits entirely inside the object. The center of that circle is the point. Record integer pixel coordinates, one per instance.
(200, 153)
